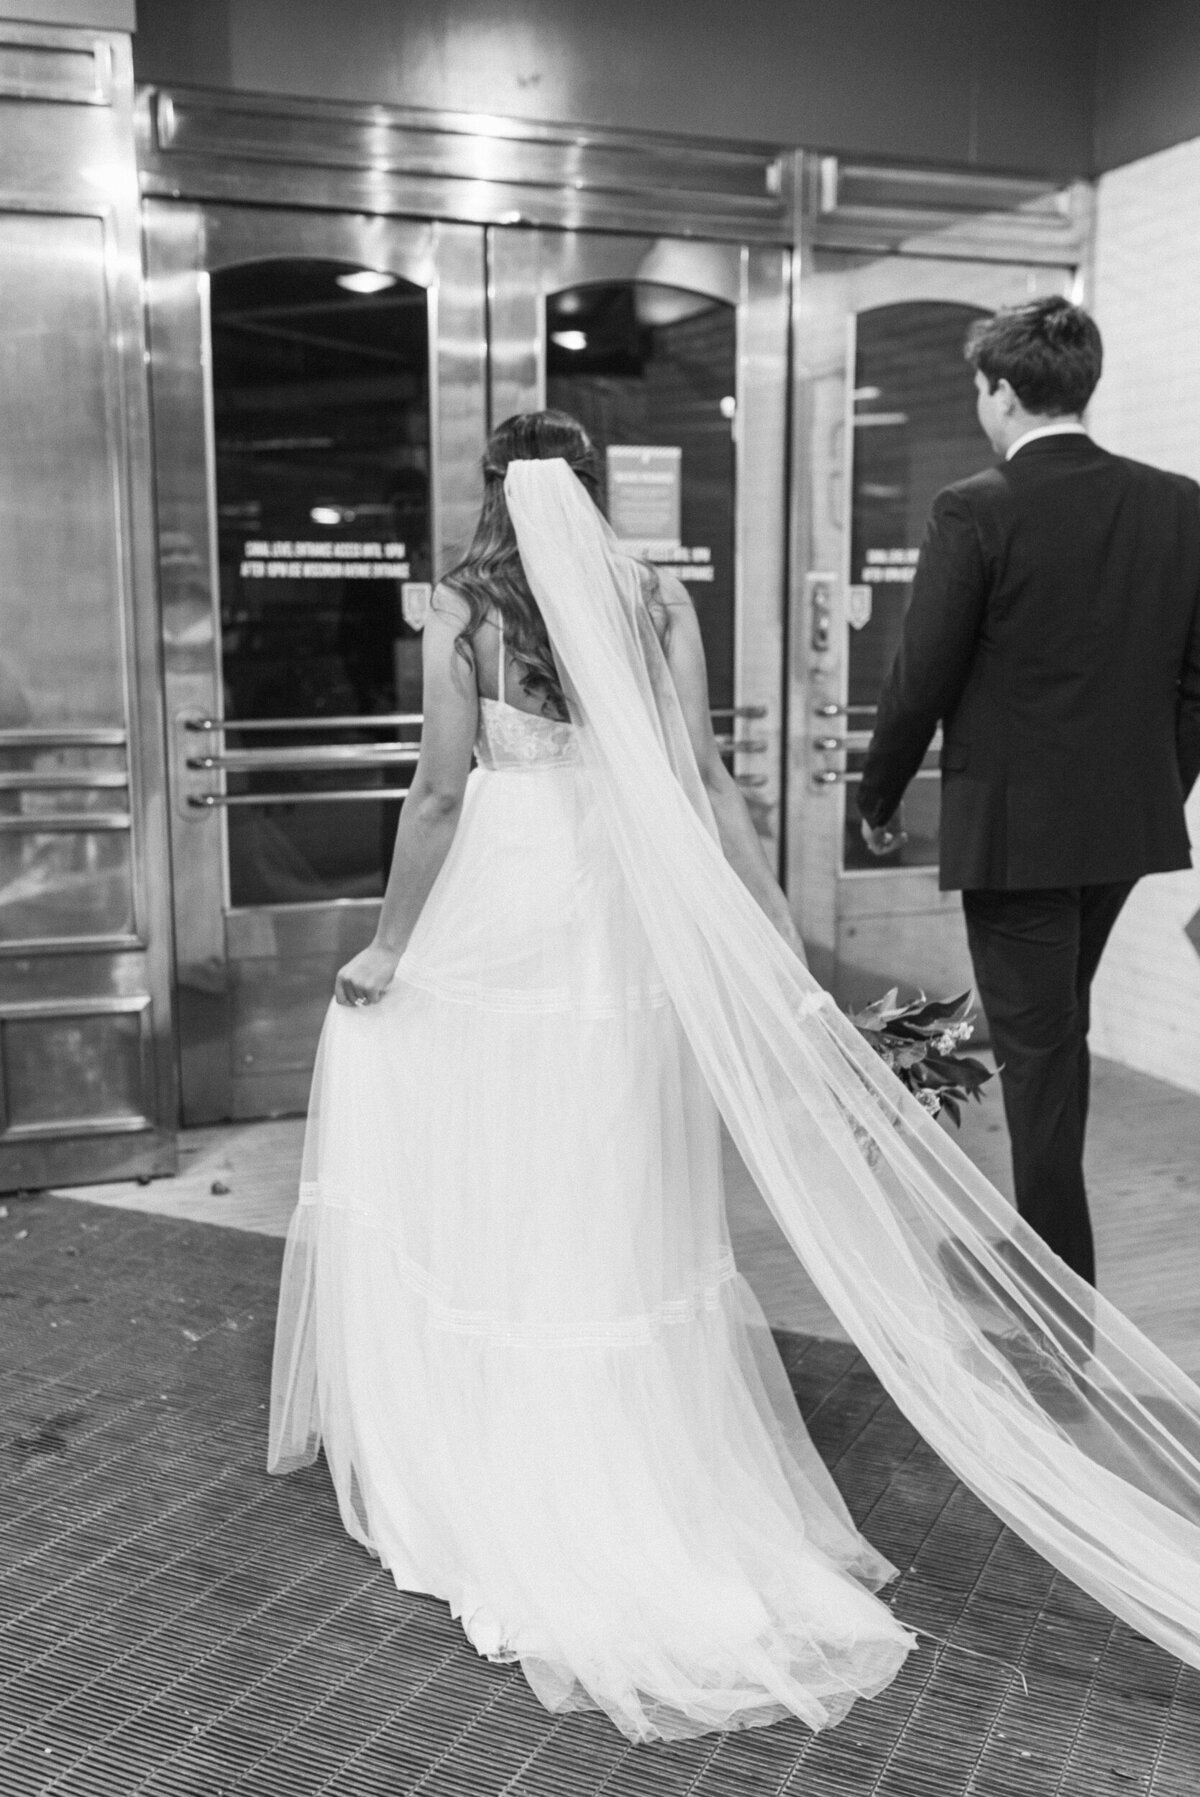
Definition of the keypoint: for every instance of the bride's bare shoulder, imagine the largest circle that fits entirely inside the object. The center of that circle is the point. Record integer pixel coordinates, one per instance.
(450, 604)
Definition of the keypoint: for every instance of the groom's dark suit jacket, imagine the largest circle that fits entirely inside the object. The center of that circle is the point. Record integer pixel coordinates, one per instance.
(1054, 631)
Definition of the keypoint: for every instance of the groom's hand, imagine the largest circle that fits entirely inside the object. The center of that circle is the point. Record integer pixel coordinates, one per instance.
(885, 839)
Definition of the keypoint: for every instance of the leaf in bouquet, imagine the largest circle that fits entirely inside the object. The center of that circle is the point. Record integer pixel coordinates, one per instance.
(952, 1109)
(936, 1010)
(909, 1054)
(952, 1071)
(972, 1073)
(867, 1026)
(908, 1031)
(874, 1016)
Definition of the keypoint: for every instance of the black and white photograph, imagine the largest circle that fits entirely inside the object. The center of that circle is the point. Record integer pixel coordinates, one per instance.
(600, 898)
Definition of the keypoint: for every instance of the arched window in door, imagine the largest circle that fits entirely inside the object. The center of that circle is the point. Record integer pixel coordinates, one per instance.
(642, 364)
(321, 410)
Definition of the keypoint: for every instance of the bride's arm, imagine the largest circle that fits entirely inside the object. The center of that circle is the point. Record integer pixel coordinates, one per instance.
(432, 809)
(735, 827)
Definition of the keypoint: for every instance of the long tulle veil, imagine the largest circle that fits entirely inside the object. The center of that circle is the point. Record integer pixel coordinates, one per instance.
(1040, 1395)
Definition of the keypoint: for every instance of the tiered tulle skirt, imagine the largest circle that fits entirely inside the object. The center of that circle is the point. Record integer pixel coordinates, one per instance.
(511, 1316)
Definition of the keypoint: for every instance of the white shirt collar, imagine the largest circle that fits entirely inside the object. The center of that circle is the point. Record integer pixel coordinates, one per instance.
(1065, 427)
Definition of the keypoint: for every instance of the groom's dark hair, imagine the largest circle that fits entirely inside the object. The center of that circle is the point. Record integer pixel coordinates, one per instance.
(1048, 351)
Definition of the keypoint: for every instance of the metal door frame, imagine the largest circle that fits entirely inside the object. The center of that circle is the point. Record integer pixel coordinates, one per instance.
(185, 243)
(921, 938)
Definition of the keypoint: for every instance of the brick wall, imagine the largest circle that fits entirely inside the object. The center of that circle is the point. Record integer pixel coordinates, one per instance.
(1147, 303)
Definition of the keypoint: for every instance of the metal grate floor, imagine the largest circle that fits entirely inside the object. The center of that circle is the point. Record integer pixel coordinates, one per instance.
(173, 1621)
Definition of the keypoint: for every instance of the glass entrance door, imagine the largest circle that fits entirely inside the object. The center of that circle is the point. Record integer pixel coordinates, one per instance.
(322, 387)
(890, 405)
(319, 397)
(674, 355)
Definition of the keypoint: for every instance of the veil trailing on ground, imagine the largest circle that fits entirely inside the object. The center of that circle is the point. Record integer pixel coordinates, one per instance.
(1040, 1395)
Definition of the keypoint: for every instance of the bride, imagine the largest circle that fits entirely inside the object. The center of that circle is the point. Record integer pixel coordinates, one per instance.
(509, 1309)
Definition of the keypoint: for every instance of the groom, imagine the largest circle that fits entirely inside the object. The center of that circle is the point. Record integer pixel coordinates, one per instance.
(1054, 633)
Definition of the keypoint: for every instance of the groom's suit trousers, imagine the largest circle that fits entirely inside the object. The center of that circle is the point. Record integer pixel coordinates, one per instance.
(1035, 955)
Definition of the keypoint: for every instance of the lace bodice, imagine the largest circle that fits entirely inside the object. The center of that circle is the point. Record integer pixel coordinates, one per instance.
(510, 739)
(513, 739)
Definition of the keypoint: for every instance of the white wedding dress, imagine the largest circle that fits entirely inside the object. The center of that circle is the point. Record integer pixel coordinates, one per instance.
(509, 1311)
(544, 1392)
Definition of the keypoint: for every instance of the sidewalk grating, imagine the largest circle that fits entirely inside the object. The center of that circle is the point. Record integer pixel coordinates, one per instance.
(175, 1624)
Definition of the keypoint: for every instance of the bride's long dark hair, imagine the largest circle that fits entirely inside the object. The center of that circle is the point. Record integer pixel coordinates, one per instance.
(490, 576)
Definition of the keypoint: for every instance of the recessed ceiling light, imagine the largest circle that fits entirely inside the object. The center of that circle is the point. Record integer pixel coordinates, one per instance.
(573, 340)
(366, 280)
(328, 514)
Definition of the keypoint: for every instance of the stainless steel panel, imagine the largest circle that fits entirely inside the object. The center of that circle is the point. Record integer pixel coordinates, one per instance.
(176, 294)
(279, 1006)
(762, 433)
(33, 66)
(45, 782)
(48, 821)
(946, 212)
(46, 974)
(65, 667)
(294, 932)
(516, 320)
(458, 166)
(460, 419)
(74, 1068)
(72, 882)
(34, 739)
(83, 888)
(393, 141)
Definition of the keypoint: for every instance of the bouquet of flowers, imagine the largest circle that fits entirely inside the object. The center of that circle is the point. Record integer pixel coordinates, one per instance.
(922, 1044)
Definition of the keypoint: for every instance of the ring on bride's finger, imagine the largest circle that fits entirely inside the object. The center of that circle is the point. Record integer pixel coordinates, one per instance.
(361, 1001)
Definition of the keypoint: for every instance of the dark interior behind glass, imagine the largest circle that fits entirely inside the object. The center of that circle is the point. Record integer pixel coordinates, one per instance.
(321, 411)
(642, 364)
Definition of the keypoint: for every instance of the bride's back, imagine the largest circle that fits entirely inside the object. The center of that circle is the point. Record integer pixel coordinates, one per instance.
(500, 671)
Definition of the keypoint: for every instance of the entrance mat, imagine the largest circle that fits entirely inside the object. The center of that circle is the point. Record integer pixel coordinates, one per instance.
(174, 1621)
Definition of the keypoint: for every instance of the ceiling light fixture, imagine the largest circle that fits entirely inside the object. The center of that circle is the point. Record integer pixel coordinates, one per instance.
(572, 340)
(366, 280)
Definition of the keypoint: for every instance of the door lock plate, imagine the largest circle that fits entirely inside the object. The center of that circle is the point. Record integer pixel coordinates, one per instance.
(820, 590)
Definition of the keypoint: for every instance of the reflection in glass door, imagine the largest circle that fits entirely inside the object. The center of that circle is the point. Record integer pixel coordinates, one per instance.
(888, 404)
(318, 447)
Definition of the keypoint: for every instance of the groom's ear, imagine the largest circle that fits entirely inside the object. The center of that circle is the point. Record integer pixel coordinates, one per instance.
(1003, 392)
